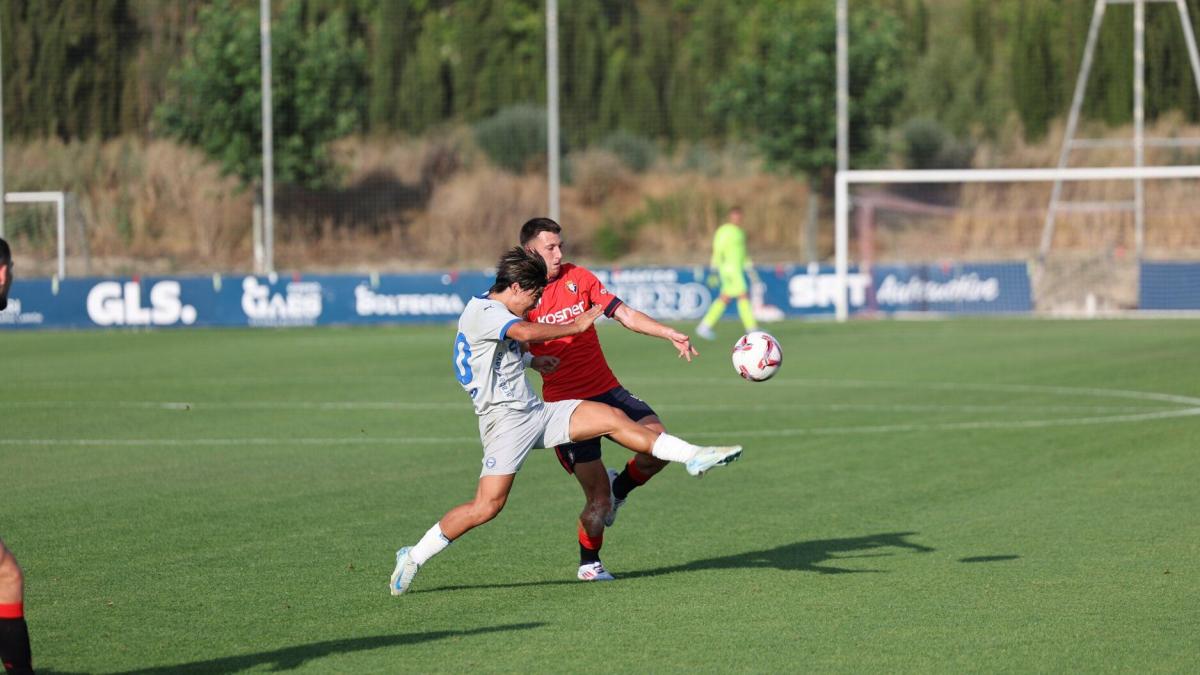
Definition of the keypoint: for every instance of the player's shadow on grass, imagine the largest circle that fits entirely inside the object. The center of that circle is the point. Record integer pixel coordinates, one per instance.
(802, 556)
(290, 658)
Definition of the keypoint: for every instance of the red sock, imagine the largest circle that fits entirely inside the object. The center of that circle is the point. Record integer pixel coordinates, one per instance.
(589, 547)
(14, 639)
(635, 474)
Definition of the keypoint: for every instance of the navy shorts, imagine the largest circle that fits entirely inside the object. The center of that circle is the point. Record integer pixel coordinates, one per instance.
(588, 451)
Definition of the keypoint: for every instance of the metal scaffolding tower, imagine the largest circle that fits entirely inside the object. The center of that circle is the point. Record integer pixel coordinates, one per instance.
(1139, 141)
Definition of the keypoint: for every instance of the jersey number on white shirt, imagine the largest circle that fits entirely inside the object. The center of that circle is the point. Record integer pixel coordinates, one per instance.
(462, 365)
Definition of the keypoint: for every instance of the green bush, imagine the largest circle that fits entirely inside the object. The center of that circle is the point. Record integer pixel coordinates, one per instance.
(514, 138)
(615, 239)
(636, 152)
(927, 145)
(216, 103)
(610, 243)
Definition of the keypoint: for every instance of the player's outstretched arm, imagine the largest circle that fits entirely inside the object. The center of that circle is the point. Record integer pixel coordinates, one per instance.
(528, 331)
(639, 322)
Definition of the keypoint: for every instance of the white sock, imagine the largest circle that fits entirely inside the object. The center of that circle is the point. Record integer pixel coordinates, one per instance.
(673, 448)
(433, 543)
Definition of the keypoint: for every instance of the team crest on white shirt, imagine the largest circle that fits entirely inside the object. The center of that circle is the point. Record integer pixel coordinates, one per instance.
(571, 286)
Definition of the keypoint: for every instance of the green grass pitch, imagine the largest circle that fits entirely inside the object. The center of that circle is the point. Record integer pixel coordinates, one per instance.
(941, 496)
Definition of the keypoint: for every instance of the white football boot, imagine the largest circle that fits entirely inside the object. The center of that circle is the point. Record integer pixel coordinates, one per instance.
(406, 570)
(614, 503)
(710, 457)
(594, 572)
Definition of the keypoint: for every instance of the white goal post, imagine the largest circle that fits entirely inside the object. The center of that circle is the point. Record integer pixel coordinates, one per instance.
(844, 179)
(59, 200)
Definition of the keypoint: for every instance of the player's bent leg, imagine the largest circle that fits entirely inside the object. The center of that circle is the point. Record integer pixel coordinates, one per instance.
(636, 472)
(490, 497)
(593, 478)
(591, 420)
(12, 582)
(648, 465)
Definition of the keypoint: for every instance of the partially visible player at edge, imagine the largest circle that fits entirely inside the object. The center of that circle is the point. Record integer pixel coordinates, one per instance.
(14, 632)
(584, 373)
(730, 265)
(490, 365)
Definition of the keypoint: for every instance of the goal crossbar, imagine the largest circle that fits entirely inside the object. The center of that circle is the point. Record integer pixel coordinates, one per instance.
(844, 179)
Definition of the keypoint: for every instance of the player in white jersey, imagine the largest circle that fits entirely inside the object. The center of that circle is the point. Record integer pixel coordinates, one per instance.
(490, 362)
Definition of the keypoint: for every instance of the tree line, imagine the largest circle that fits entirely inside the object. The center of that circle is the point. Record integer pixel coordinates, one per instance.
(669, 70)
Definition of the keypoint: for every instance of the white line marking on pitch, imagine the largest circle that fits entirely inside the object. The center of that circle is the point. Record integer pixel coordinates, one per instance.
(957, 386)
(744, 433)
(857, 429)
(188, 442)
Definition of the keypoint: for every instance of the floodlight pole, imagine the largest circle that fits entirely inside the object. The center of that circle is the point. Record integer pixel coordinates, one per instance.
(268, 150)
(552, 140)
(843, 88)
(843, 18)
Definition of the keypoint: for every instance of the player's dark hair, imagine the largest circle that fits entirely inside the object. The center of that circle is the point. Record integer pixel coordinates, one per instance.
(5, 253)
(535, 226)
(521, 267)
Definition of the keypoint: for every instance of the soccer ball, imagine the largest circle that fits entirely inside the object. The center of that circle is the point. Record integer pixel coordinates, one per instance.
(757, 356)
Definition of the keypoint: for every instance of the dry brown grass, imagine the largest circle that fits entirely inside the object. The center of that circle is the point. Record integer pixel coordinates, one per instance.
(145, 206)
(156, 207)
(1006, 221)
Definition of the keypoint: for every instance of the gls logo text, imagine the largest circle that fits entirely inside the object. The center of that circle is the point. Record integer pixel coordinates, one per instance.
(112, 303)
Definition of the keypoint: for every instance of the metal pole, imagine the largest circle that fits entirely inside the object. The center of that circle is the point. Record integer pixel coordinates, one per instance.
(843, 128)
(268, 150)
(843, 88)
(1190, 38)
(61, 202)
(552, 142)
(841, 202)
(1139, 121)
(1072, 122)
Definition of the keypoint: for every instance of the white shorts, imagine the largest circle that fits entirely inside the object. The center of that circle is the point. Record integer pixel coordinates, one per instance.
(508, 436)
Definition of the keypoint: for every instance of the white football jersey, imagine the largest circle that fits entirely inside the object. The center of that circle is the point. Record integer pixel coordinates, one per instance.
(487, 363)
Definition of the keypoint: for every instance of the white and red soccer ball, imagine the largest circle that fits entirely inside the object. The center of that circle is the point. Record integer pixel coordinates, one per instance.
(757, 356)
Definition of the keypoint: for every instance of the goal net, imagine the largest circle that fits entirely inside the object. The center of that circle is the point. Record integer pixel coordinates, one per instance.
(981, 241)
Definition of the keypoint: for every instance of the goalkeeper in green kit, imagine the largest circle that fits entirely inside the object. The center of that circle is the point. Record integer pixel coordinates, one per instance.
(730, 265)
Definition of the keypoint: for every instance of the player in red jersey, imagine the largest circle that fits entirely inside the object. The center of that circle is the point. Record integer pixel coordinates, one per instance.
(583, 373)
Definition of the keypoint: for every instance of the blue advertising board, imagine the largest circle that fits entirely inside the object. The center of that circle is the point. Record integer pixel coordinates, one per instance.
(668, 293)
(1169, 286)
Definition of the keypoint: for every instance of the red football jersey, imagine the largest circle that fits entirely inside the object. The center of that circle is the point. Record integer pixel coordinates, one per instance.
(583, 371)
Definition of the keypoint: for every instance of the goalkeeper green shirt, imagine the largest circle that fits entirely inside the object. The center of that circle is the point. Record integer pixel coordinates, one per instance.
(729, 258)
